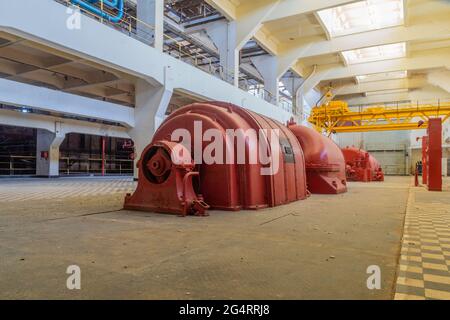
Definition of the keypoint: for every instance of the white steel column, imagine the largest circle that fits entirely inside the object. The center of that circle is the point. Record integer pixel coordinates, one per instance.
(150, 110)
(48, 142)
(293, 85)
(267, 66)
(223, 34)
(150, 26)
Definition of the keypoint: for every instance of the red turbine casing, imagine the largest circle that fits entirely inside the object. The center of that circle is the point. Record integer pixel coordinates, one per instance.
(361, 166)
(325, 164)
(227, 186)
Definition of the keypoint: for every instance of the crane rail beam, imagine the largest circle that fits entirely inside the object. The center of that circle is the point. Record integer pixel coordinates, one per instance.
(380, 127)
(336, 117)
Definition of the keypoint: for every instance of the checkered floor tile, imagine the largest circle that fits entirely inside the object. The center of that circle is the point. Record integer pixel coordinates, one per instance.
(46, 189)
(424, 269)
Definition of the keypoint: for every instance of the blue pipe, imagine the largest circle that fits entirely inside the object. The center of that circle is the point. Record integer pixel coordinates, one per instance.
(109, 3)
(114, 4)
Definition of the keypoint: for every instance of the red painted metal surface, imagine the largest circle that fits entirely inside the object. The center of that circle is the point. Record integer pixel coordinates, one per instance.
(434, 154)
(424, 160)
(325, 163)
(166, 182)
(361, 166)
(228, 186)
(44, 155)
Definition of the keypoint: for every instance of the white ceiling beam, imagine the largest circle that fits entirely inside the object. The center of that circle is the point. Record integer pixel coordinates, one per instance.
(38, 121)
(290, 8)
(429, 94)
(266, 41)
(225, 7)
(392, 84)
(312, 81)
(249, 19)
(298, 68)
(316, 47)
(421, 60)
(251, 15)
(379, 99)
(284, 8)
(12, 93)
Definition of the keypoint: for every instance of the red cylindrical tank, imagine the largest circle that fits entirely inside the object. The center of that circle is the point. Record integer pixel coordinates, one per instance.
(325, 164)
(361, 165)
(238, 183)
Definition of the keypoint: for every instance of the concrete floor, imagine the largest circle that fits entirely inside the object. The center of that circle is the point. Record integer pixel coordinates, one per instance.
(314, 249)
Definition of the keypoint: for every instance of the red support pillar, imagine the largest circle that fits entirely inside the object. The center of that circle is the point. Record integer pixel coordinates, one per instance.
(424, 160)
(434, 159)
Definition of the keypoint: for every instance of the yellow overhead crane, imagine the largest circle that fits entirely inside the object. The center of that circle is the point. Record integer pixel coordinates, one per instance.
(336, 117)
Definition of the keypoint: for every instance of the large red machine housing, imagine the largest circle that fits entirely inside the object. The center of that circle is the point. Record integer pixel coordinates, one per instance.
(185, 188)
(361, 166)
(325, 163)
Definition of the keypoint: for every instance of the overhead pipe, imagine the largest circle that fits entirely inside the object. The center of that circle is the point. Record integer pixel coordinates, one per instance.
(110, 3)
(90, 6)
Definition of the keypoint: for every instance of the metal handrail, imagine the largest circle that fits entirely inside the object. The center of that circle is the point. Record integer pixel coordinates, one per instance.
(286, 104)
(128, 22)
(67, 162)
(140, 33)
(12, 168)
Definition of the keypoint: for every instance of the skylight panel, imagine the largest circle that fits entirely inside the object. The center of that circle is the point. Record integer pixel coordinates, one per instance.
(375, 93)
(377, 53)
(362, 16)
(382, 76)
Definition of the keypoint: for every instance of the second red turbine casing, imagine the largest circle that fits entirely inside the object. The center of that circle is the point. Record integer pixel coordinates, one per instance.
(361, 165)
(325, 164)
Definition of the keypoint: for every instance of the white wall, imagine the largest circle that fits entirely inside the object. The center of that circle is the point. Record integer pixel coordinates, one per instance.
(390, 148)
(379, 140)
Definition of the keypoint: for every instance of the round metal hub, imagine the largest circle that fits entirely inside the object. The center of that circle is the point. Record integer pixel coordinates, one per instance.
(157, 165)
